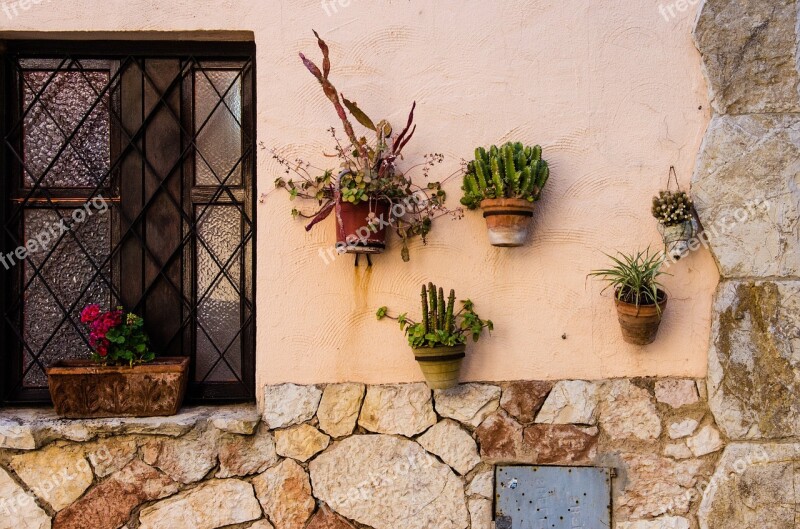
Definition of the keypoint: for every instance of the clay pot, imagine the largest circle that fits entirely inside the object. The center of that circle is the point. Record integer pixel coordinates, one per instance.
(508, 220)
(640, 324)
(81, 389)
(353, 228)
(440, 365)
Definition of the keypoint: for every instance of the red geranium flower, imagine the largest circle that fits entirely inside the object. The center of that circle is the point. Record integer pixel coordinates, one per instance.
(90, 313)
(130, 343)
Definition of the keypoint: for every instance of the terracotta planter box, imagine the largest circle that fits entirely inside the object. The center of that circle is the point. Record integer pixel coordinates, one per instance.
(81, 389)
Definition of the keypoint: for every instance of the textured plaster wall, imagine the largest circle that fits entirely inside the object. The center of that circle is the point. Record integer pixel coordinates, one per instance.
(612, 90)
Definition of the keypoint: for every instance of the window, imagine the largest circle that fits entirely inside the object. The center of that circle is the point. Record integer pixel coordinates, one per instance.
(128, 180)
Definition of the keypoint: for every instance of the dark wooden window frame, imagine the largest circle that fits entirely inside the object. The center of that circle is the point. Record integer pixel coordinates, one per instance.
(205, 55)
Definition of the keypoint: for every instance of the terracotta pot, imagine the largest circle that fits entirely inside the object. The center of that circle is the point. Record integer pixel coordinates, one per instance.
(508, 220)
(81, 389)
(640, 324)
(440, 365)
(353, 228)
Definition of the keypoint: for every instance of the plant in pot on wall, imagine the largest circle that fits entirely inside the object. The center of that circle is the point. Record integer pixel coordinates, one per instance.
(368, 193)
(439, 340)
(673, 210)
(639, 296)
(505, 182)
(122, 378)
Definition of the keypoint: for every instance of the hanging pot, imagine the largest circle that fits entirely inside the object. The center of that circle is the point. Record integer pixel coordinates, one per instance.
(640, 323)
(508, 220)
(358, 226)
(440, 365)
(677, 238)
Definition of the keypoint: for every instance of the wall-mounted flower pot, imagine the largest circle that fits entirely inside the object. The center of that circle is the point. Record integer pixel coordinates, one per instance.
(356, 230)
(677, 238)
(508, 220)
(640, 324)
(440, 365)
(81, 389)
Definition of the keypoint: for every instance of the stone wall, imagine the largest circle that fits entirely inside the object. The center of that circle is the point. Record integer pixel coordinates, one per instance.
(747, 192)
(345, 455)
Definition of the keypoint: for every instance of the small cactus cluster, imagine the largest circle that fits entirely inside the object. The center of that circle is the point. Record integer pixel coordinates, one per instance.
(509, 171)
(672, 207)
(436, 314)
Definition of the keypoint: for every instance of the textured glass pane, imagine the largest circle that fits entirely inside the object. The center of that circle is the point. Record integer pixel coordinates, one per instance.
(67, 272)
(64, 102)
(220, 140)
(219, 311)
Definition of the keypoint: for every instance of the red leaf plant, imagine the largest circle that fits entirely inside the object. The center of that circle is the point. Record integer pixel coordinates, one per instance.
(368, 171)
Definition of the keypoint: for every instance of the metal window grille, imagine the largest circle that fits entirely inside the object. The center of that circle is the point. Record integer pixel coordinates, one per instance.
(155, 144)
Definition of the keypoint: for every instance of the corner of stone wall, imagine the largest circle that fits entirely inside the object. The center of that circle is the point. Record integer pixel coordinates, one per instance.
(748, 199)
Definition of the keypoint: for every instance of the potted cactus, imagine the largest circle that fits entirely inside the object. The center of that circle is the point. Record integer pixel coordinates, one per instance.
(439, 340)
(368, 193)
(639, 296)
(505, 182)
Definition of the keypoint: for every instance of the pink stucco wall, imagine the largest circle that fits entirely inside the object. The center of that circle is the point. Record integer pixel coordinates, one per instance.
(612, 90)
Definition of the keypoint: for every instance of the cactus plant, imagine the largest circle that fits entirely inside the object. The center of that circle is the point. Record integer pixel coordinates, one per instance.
(672, 208)
(441, 325)
(439, 340)
(509, 171)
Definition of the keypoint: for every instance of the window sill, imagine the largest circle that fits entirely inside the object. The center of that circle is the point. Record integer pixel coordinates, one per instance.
(32, 428)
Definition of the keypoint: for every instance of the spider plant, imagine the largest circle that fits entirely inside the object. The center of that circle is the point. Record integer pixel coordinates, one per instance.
(635, 277)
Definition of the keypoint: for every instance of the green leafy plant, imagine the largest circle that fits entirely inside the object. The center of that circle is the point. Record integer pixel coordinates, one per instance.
(635, 277)
(368, 170)
(509, 171)
(440, 325)
(672, 208)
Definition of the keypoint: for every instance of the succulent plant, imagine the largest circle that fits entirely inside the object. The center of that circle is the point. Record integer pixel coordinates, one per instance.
(672, 207)
(441, 325)
(368, 170)
(509, 171)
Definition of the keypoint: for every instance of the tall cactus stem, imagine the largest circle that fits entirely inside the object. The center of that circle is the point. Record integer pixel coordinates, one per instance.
(434, 318)
(449, 323)
(497, 178)
(425, 321)
(480, 173)
(441, 310)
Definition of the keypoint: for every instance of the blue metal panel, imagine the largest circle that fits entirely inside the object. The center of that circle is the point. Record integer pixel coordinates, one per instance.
(553, 497)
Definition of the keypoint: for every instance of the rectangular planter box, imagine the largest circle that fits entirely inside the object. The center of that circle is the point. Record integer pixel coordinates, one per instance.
(81, 389)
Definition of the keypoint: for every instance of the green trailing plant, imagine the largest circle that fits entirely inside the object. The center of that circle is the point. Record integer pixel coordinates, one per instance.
(368, 170)
(440, 324)
(635, 277)
(509, 171)
(672, 208)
